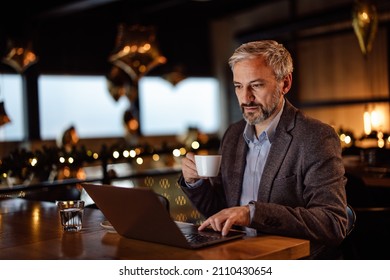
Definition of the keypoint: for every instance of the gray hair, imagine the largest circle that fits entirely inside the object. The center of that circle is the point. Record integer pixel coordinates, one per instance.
(276, 56)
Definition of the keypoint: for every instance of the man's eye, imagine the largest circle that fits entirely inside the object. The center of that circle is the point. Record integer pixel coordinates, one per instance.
(256, 85)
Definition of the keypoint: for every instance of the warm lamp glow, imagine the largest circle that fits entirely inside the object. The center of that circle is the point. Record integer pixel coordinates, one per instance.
(376, 119)
(176, 152)
(346, 139)
(136, 51)
(133, 153)
(20, 56)
(365, 24)
(373, 120)
(133, 125)
(367, 123)
(195, 145)
(139, 160)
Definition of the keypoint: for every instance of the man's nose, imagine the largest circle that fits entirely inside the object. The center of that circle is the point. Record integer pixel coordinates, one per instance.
(249, 97)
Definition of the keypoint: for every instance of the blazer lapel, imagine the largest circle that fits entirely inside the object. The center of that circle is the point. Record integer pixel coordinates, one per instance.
(278, 152)
(235, 187)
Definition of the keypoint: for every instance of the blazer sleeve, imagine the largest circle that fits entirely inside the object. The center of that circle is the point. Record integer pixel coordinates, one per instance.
(208, 198)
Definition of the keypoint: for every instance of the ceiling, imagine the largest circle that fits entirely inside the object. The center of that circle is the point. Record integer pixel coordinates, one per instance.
(77, 36)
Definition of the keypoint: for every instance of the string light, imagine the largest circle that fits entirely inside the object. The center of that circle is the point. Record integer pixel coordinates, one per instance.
(23, 164)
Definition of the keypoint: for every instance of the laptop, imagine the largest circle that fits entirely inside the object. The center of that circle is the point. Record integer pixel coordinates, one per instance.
(137, 213)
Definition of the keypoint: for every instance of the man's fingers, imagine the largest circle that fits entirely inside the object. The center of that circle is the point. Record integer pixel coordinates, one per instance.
(204, 225)
(226, 227)
(216, 225)
(225, 219)
(212, 222)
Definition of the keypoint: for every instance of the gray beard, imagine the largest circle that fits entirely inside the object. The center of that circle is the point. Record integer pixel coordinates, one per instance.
(265, 113)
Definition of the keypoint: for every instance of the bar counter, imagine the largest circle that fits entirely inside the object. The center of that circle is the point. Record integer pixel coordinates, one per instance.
(30, 230)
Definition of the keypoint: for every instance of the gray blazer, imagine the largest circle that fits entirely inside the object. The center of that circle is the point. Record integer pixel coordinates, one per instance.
(302, 189)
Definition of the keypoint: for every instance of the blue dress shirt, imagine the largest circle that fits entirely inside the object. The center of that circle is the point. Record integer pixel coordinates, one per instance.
(258, 149)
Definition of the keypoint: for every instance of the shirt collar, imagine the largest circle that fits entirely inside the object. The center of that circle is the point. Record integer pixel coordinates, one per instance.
(249, 131)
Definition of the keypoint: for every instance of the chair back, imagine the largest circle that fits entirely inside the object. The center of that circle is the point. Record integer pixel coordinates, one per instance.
(351, 219)
(164, 201)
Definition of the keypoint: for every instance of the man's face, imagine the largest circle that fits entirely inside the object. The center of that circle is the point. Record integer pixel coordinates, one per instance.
(258, 92)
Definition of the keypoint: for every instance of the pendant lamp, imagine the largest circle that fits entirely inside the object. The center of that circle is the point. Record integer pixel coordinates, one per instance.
(365, 24)
(4, 119)
(136, 51)
(20, 56)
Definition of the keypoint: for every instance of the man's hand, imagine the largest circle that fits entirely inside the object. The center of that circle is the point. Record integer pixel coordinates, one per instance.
(189, 169)
(226, 218)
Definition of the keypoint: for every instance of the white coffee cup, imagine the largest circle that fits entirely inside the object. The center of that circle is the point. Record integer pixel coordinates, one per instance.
(208, 165)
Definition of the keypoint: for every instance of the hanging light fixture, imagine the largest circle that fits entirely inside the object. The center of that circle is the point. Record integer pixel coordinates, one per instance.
(365, 24)
(136, 51)
(20, 56)
(3, 115)
(119, 83)
(176, 75)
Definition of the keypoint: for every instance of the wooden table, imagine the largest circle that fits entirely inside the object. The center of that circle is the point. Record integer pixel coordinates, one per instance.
(31, 230)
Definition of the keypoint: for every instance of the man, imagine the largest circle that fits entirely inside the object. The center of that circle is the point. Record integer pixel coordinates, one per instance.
(281, 171)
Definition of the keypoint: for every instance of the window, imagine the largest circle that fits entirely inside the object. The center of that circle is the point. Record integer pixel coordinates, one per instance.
(85, 103)
(166, 109)
(11, 94)
(80, 101)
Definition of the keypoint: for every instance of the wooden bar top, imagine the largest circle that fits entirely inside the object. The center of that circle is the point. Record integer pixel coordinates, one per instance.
(32, 230)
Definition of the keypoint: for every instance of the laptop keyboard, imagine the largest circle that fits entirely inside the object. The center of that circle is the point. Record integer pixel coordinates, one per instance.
(201, 238)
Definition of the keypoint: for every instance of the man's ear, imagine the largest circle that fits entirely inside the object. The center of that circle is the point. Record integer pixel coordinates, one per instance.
(287, 82)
